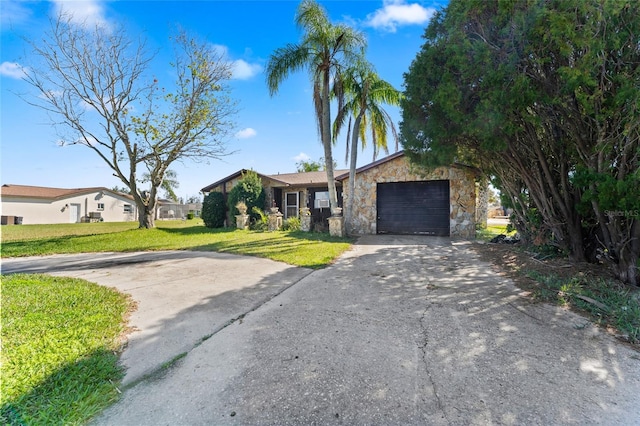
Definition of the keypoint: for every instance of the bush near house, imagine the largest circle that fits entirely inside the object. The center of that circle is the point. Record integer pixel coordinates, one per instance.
(214, 210)
(250, 191)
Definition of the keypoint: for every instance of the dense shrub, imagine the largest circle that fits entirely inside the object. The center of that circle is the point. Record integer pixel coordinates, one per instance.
(214, 210)
(190, 216)
(291, 224)
(261, 221)
(249, 190)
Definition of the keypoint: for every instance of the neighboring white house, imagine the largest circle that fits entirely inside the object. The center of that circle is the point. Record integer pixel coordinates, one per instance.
(41, 205)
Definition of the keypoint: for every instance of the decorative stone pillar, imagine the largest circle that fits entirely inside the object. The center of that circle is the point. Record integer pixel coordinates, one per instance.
(336, 223)
(275, 219)
(305, 219)
(242, 221)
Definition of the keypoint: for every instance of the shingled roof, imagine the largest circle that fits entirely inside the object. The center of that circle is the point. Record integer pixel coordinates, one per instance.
(286, 179)
(43, 192)
(305, 178)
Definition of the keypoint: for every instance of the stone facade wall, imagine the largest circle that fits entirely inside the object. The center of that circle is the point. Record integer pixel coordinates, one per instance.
(461, 188)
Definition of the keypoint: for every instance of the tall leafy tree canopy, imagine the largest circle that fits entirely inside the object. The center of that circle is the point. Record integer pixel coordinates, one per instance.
(97, 84)
(308, 166)
(544, 96)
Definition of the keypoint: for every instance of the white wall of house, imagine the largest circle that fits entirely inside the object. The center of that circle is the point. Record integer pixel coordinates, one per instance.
(72, 209)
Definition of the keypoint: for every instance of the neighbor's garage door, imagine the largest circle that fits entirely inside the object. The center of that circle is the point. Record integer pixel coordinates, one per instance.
(413, 208)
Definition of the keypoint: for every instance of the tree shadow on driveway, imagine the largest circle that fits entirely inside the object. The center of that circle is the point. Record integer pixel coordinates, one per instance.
(398, 331)
(418, 331)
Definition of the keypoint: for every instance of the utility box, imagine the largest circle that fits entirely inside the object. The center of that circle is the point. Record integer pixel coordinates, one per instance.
(8, 220)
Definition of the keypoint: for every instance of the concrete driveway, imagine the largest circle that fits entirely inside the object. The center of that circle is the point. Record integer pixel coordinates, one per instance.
(399, 331)
(182, 296)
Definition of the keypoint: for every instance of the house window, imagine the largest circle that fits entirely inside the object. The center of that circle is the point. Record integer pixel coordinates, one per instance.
(100, 206)
(128, 208)
(322, 200)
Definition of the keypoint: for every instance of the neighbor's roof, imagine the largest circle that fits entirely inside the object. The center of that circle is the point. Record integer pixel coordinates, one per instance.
(27, 191)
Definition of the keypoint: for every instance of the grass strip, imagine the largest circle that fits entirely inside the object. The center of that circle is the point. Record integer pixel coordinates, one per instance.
(60, 338)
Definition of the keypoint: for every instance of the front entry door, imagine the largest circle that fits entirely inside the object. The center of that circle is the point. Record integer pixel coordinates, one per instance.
(292, 204)
(74, 213)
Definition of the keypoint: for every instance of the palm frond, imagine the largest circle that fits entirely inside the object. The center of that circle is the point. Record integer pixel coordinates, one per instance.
(283, 62)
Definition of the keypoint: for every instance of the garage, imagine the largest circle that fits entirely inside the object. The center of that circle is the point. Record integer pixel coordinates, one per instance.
(394, 196)
(420, 207)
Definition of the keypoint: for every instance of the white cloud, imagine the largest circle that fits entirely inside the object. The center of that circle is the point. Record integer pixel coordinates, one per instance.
(242, 70)
(84, 12)
(301, 157)
(12, 70)
(396, 13)
(246, 133)
(221, 49)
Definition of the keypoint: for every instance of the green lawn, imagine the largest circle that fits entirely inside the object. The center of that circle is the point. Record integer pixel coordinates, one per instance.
(312, 250)
(491, 231)
(59, 343)
(36, 232)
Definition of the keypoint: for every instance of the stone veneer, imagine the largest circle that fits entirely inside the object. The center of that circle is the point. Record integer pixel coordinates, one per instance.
(461, 188)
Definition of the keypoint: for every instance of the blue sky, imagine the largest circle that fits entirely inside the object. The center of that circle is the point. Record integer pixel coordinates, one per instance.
(272, 133)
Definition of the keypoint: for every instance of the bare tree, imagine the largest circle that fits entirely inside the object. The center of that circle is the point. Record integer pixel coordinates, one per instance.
(96, 84)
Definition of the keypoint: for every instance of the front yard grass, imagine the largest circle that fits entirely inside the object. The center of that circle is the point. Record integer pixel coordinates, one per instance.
(311, 250)
(60, 335)
(60, 338)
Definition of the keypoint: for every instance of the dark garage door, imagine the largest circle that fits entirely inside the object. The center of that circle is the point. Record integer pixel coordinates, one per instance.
(413, 208)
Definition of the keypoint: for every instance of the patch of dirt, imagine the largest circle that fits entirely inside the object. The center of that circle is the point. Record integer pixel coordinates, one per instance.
(514, 261)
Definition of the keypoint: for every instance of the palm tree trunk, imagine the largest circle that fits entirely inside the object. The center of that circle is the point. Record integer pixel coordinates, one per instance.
(349, 216)
(325, 128)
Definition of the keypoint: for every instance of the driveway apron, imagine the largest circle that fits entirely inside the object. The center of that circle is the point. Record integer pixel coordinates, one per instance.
(399, 331)
(181, 296)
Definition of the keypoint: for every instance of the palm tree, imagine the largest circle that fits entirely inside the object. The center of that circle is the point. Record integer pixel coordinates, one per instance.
(324, 50)
(364, 91)
(169, 184)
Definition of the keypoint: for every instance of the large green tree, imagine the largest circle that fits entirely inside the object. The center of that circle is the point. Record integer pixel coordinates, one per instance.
(324, 51)
(98, 86)
(543, 96)
(363, 92)
(308, 166)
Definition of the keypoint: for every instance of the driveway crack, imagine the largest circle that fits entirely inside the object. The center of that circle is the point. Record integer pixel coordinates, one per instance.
(425, 362)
